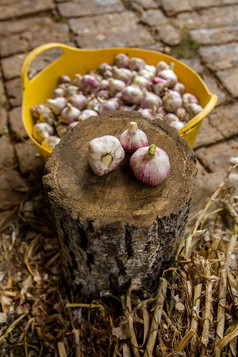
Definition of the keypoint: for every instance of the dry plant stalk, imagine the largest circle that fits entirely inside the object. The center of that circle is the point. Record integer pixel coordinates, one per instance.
(207, 318)
(156, 318)
(221, 310)
(195, 317)
(127, 313)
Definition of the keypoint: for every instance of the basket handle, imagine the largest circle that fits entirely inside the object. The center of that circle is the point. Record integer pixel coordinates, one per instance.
(33, 54)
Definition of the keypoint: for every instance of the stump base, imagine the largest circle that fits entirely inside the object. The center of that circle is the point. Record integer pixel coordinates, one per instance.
(113, 228)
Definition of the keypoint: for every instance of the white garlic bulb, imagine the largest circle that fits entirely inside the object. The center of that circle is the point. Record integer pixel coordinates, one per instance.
(42, 131)
(50, 142)
(105, 154)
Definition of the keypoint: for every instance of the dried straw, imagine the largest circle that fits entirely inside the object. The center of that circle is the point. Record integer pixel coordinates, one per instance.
(194, 311)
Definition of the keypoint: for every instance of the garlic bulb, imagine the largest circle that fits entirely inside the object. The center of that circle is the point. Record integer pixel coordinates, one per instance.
(104, 84)
(177, 124)
(78, 100)
(133, 138)
(89, 84)
(141, 82)
(57, 104)
(64, 79)
(37, 109)
(151, 69)
(172, 101)
(47, 117)
(61, 130)
(147, 113)
(179, 87)
(103, 68)
(124, 74)
(169, 74)
(110, 104)
(193, 108)
(136, 64)
(181, 114)
(150, 165)
(189, 98)
(105, 154)
(77, 80)
(59, 92)
(72, 125)
(170, 118)
(71, 90)
(161, 65)
(42, 131)
(69, 114)
(87, 113)
(94, 104)
(132, 94)
(50, 142)
(150, 100)
(121, 60)
(115, 86)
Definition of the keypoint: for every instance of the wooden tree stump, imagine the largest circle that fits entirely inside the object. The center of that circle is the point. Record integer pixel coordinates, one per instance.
(113, 228)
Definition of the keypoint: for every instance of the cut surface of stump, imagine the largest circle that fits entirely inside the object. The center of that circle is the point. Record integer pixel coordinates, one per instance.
(113, 228)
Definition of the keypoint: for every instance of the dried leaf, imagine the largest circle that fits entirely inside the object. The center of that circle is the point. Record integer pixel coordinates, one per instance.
(220, 344)
(184, 341)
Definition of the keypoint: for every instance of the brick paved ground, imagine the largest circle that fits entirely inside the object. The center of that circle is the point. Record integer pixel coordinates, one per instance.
(201, 33)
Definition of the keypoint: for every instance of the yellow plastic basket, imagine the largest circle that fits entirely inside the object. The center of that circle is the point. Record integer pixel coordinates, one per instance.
(73, 60)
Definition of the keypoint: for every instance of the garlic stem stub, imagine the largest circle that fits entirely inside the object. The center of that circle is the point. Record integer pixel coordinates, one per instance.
(133, 138)
(150, 165)
(105, 154)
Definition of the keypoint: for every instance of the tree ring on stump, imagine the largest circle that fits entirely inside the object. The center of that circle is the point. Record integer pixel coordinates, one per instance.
(113, 228)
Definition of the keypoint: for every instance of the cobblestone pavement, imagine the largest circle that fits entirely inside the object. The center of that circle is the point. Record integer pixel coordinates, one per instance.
(201, 33)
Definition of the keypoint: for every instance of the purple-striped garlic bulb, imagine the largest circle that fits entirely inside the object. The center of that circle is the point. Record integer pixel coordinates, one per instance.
(150, 165)
(89, 84)
(169, 74)
(133, 138)
(147, 113)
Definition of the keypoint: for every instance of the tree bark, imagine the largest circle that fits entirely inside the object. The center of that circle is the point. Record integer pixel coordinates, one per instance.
(113, 228)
